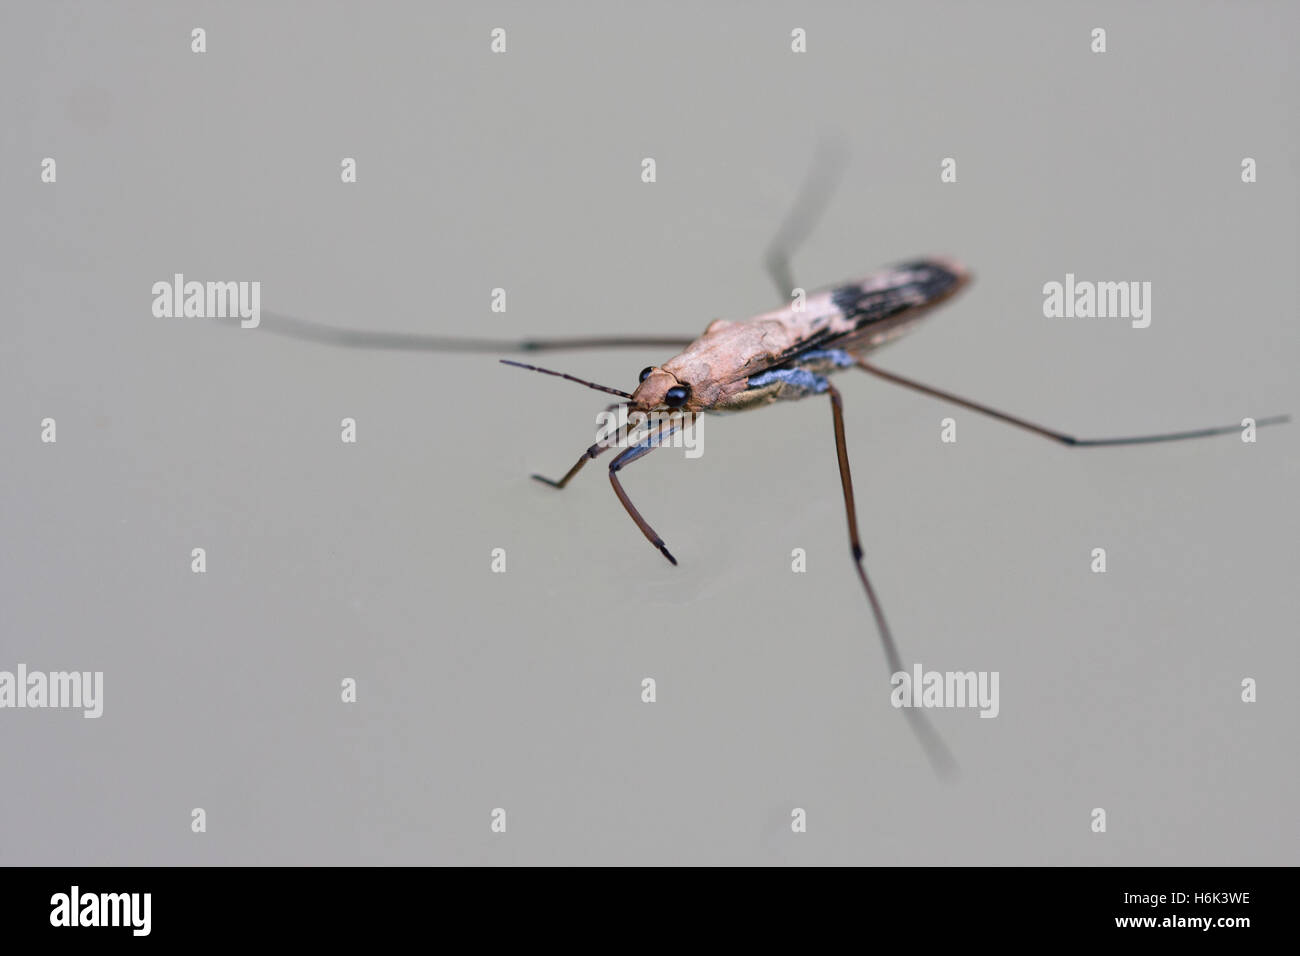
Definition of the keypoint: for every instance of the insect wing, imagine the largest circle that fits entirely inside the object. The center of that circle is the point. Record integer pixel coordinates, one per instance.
(863, 315)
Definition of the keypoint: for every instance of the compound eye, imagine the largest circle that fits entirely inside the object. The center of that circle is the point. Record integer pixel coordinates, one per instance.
(677, 396)
(645, 372)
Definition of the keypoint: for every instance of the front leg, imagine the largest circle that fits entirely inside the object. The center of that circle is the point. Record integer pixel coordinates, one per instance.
(626, 458)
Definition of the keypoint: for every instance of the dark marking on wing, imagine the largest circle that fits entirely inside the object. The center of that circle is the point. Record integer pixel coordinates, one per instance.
(919, 283)
(876, 299)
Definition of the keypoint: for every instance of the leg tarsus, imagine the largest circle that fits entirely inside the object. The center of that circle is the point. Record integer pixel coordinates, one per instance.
(592, 452)
(1061, 437)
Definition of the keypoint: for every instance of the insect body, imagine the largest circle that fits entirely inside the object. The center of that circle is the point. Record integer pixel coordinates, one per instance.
(785, 354)
(781, 355)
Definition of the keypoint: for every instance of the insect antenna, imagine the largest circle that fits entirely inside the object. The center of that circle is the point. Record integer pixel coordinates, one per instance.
(571, 378)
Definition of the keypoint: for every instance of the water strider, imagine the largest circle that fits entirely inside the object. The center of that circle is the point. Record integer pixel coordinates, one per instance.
(783, 355)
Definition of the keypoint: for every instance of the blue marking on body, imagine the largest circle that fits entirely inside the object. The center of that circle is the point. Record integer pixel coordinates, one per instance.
(837, 357)
(799, 378)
